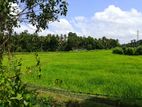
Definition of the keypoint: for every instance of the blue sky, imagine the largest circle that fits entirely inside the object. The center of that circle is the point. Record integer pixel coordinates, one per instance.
(117, 19)
(89, 7)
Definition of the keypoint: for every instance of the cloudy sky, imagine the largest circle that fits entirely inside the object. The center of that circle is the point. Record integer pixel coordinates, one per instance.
(118, 19)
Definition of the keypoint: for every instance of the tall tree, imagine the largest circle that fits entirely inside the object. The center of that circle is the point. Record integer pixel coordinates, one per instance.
(38, 13)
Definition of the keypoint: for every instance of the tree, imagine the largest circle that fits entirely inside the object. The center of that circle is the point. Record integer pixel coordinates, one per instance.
(54, 43)
(72, 41)
(38, 13)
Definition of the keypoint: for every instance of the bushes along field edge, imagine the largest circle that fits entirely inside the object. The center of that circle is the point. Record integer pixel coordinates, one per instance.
(128, 50)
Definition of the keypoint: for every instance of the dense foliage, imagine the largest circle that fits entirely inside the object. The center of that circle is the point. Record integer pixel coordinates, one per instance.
(118, 50)
(128, 50)
(25, 42)
(139, 50)
(13, 92)
(133, 43)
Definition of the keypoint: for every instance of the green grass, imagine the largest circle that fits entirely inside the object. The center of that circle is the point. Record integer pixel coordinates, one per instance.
(95, 72)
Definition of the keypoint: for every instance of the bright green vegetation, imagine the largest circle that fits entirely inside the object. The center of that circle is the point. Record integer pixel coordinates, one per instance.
(95, 72)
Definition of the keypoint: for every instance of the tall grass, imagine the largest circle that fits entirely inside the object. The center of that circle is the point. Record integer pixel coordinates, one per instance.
(95, 72)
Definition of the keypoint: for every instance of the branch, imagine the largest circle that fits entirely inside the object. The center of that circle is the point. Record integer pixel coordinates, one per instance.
(23, 11)
(4, 42)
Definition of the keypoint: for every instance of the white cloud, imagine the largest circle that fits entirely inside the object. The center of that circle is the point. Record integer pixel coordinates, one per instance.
(59, 27)
(62, 27)
(115, 15)
(112, 22)
(31, 29)
(25, 27)
(118, 23)
(80, 18)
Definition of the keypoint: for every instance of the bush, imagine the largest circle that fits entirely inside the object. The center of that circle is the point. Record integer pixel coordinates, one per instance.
(19, 49)
(124, 50)
(117, 50)
(129, 51)
(13, 92)
(139, 50)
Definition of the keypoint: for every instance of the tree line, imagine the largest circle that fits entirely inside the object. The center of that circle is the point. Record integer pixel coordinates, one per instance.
(133, 43)
(26, 42)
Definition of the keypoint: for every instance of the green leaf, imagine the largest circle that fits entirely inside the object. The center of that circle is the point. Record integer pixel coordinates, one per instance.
(26, 103)
(18, 97)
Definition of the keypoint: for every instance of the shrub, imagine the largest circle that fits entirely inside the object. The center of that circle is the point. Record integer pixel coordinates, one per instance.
(139, 50)
(19, 49)
(117, 50)
(129, 51)
(124, 50)
(13, 92)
